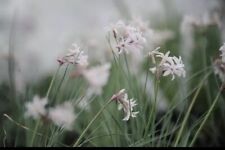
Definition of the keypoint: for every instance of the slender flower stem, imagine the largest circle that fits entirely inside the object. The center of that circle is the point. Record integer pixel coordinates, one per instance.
(52, 81)
(189, 110)
(146, 79)
(61, 81)
(35, 131)
(152, 111)
(157, 81)
(47, 95)
(206, 117)
(90, 123)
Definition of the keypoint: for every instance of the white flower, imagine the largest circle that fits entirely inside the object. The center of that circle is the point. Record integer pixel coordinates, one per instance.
(168, 65)
(36, 108)
(74, 56)
(143, 26)
(63, 115)
(125, 104)
(97, 77)
(127, 37)
(153, 54)
(222, 49)
(173, 66)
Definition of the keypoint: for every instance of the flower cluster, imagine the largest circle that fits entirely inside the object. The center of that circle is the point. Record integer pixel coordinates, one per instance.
(97, 77)
(74, 56)
(168, 65)
(125, 104)
(61, 115)
(36, 109)
(127, 37)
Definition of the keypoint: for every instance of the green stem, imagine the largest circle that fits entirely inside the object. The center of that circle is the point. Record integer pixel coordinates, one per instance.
(156, 87)
(189, 111)
(35, 131)
(146, 80)
(206, 117)
(52, 81)
(47, 95)
(90, 123)
(61, 81)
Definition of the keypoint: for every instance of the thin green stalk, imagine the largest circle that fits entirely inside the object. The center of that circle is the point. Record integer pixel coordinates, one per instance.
(47, 95)
(34, 133)
(90, 123)
(189, 111)
(146, 80)
(206, 118)
(61, 81)
(156, 87)
(52, 81)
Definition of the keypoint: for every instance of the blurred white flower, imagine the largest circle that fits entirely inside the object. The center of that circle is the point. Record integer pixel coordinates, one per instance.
(222, 50)
(97, 77)
(143, 26)
(174, 66)
(84, 102)
(127, 37)
(125, 104)
(168, 65)
(74, 56)
(36, 108)
(63, 115)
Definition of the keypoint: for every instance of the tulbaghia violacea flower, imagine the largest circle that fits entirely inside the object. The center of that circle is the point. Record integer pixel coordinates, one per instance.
(126, 104)
(97, 77)
(222, 50)
(74, 56)
(173, 66)
(152, 54)
(168, 65)
(36, 109)
(63, 115)
(127, 37)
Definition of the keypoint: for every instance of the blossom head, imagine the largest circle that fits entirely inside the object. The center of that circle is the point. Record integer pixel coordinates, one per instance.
(74, 56)
(36, 109)
(126, 104)
(168, 65)
(127, 37)
(97, 77)
(63, 115)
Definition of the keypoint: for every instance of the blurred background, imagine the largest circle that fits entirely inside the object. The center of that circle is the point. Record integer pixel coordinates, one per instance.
(39, 31)
(34, 33)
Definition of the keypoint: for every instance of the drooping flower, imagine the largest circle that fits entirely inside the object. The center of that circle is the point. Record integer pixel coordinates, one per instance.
(63, 115)
(127, 37)
(126, 104)
(74, 56)
(97, 77)
(222, 50)
(168, 65)
(36, 108)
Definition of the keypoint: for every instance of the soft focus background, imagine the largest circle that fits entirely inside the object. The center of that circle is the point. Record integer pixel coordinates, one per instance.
(44, 29)
(33, 33)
